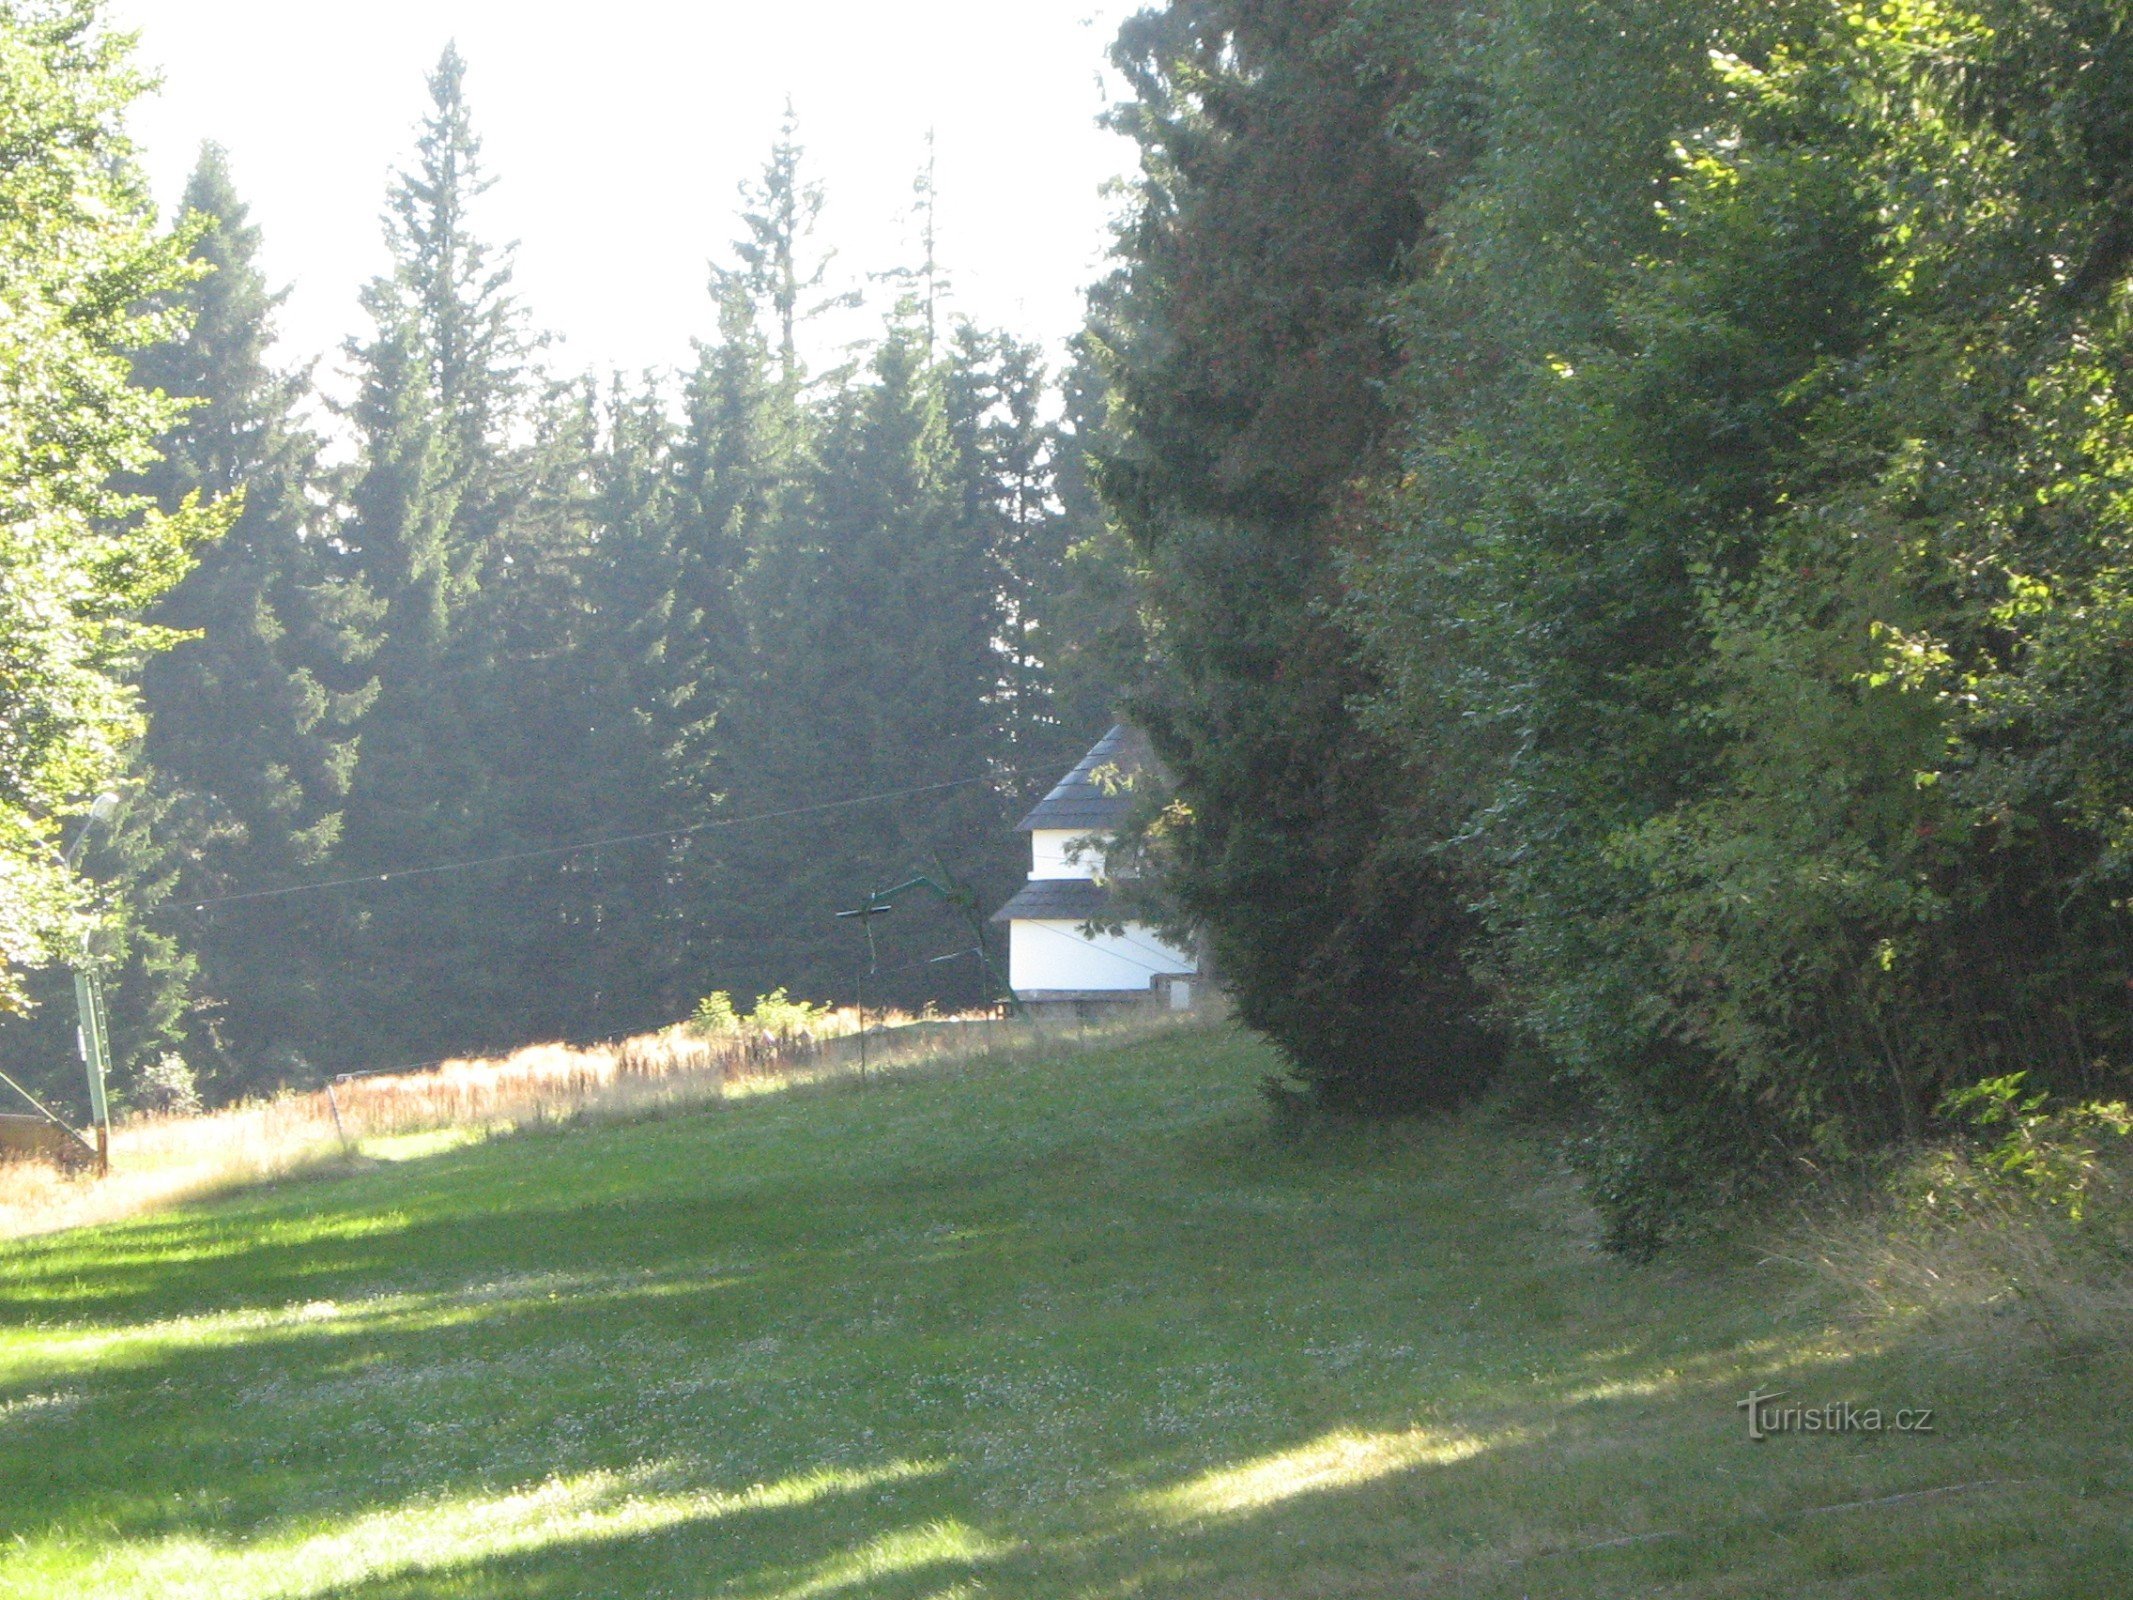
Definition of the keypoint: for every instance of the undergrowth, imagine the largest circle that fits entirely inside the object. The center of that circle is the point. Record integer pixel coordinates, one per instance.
(2024, 1228)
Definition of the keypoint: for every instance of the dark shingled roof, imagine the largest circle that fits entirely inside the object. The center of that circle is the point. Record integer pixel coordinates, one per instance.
(1081, 803)
(1056, 900)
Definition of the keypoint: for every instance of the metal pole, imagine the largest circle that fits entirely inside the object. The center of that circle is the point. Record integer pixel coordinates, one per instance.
(876, 905)
(94, 1035)
(96, 1059)
(47, 1112)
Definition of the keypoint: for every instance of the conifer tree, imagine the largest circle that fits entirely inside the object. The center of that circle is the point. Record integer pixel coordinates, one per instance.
(1095, 640)
(1246, 344)
(869, 608)
(442, 382)
(932, 279)
(994, 390)
(926, 282)
(450, 285)
(737, 494)
(628, 929)
(254, 721)
(737, 458)
(567, 619)
(779, 212)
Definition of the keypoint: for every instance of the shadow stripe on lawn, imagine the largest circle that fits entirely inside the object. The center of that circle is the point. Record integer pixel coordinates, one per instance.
(1627, 1540)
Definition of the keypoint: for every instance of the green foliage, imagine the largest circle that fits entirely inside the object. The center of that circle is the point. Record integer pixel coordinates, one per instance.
(774, 273)
(82, 273)
(251, 744)
(166, 1086)
(535, 611)
(2052, 1154)
(1651, 477)
(779, 1014)
(775, 1013)
(715, 1014)
(1246, 358)
(1762, 471)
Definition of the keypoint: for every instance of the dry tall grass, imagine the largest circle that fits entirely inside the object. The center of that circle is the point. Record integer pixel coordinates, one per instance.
(1975, 1258)
(160, 1161)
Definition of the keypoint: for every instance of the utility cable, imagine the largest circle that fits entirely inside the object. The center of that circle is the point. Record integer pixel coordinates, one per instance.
(589, 844)
(913, 966)
(1120, 955)
(555, 851)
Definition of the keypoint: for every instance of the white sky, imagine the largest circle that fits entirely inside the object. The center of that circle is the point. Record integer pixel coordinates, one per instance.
(619, 130)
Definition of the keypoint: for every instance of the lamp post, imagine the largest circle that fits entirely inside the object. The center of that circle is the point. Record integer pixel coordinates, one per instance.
(93, 1037)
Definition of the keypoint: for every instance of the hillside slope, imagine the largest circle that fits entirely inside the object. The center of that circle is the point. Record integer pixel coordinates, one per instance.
(1082, 1328)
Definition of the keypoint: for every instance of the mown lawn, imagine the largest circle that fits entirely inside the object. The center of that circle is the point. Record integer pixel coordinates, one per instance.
(1088, 1327)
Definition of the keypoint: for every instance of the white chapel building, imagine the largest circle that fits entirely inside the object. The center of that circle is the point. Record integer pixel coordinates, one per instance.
(1050, 958)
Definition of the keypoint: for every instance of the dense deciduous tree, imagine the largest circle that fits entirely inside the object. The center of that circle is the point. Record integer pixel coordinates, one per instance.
(1763, 449)
(84, 277)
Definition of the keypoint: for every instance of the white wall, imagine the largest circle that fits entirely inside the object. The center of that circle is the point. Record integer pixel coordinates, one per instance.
(1054, 955)
(1048, 854)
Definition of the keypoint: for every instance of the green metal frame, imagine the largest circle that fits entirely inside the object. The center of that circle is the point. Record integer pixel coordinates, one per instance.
(880, 902)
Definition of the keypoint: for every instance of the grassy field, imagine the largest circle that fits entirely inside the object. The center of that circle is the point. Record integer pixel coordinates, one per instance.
(1079, 1328)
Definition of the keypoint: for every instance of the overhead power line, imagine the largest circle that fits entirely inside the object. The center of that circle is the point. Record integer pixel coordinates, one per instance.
(590, 844)
(1170, 970)
(554, 851)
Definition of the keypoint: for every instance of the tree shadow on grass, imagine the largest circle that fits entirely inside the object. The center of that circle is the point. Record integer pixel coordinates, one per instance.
(1262, 1382)
(1349, 1513)
(1591, 1454)
(465, 1354)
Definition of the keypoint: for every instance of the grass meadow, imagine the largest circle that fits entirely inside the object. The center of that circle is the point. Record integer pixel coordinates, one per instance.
(157, 1161)
(1084, 1326)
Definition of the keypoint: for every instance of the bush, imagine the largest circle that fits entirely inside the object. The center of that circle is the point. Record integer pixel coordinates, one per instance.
(2054, 1157)
(715, 1015)
(166, 1086)
(2026, 1228)
(775, 1013)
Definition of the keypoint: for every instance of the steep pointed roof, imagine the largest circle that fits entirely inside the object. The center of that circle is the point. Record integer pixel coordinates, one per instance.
(1083, 801)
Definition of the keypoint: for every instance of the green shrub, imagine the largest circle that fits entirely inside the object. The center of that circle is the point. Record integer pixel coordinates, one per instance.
(2056, 1157)
(715, 1014)
(775, 1013)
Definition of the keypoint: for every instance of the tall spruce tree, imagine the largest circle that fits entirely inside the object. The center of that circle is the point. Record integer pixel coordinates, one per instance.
(1024, 504)
(739, 494)
(869, 608)
(1246, 347)
(639, 680)
(1092, 633)
(992, 389)
(442, 383)
(253, 722)
(736, 467)
(569, 618)
(926, 280)
(779, 212)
